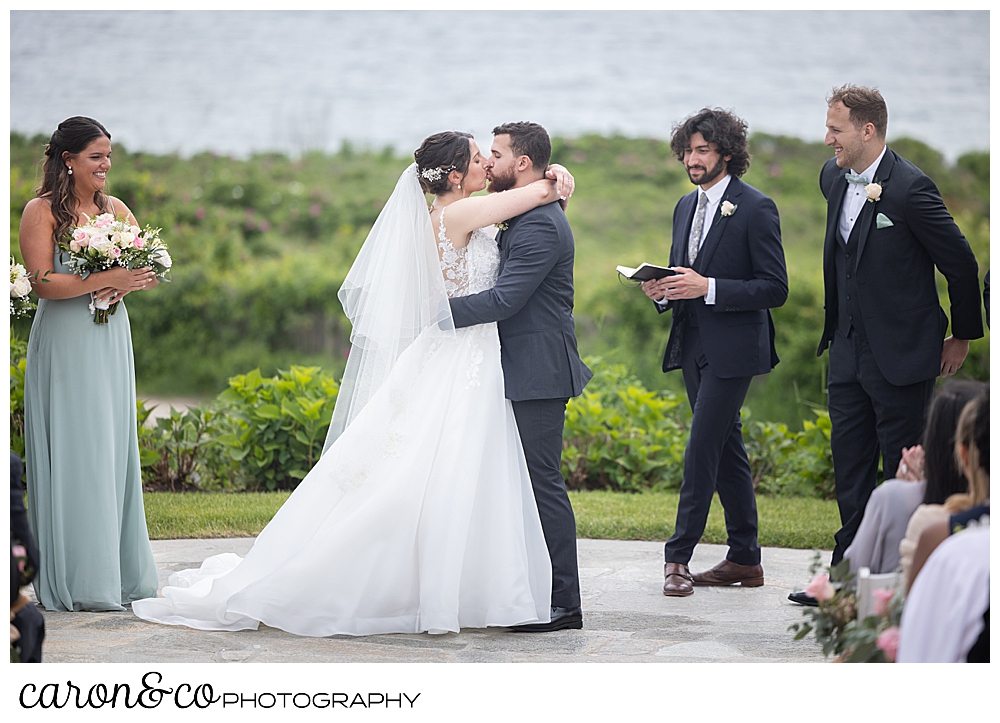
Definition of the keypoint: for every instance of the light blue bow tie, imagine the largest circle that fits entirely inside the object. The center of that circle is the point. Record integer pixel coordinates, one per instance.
(855, 178)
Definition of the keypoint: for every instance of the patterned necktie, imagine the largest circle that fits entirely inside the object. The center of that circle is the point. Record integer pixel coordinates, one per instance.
(694, 243)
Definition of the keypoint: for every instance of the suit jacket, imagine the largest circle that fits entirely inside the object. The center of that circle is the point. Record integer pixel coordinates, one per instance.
(743, 253)
(894, 271)
(532, 303)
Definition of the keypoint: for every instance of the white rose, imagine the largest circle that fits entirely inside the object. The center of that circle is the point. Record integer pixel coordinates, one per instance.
(102, 244)
(874, 191)
(728, 208)
(21, 287)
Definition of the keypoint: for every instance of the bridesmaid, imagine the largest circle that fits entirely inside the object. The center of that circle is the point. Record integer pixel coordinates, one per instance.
(81, 444)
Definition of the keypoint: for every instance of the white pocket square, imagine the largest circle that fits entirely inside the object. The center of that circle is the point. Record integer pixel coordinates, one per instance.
(882, 221)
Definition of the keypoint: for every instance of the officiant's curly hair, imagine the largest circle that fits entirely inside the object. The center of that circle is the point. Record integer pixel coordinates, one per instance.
(717, 126)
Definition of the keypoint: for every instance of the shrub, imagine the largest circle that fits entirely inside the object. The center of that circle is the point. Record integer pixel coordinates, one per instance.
(173, 451)
(18, 353)
(274, 428)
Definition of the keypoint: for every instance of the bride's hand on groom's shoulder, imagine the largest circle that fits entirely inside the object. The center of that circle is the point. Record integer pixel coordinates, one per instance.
(564, 180)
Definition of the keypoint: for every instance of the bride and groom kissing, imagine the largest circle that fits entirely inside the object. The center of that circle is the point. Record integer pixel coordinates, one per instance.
(438, 502)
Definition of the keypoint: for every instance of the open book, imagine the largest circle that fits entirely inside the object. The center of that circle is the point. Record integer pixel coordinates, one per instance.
(645, 272)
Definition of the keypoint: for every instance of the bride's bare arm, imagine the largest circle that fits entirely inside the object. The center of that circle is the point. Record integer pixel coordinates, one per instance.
(468, 214)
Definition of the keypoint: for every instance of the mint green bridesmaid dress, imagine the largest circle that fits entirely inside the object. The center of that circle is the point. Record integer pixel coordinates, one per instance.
(82, 459)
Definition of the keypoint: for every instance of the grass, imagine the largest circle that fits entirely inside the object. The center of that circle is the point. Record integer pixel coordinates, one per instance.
(796, 522)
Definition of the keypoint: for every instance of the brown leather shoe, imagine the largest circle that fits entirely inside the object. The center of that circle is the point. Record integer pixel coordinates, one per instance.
(729, 573)
(677, 581)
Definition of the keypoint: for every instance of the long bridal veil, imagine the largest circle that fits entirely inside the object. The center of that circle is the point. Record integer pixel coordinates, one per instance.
(393, 293)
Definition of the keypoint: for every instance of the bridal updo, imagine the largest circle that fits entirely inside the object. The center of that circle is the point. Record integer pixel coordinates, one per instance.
(439, 155)
(72, 136)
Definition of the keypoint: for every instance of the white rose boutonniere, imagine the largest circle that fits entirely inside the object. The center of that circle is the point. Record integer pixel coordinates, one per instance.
(874, 191)
(728, 209)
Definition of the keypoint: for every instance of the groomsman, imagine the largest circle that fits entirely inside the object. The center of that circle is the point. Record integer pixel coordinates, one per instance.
(886, 229)
(730, 271)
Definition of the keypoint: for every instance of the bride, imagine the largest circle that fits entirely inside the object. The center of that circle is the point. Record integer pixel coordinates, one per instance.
(419, 516)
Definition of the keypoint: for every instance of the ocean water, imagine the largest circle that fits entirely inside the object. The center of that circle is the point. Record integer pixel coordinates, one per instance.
(246, 81)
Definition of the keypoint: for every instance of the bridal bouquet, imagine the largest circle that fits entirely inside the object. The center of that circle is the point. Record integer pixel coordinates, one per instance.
(835, 619)
(20, 288)
(105, 242)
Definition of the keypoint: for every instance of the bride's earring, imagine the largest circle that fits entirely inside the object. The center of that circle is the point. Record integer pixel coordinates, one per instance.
(460, 187)
(69, 170)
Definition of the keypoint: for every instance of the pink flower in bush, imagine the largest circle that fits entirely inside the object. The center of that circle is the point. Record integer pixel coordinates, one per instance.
(820, 587)
(882, 598)
(888, 643)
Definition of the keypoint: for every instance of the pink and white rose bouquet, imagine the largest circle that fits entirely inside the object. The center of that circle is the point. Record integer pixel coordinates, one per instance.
(105, 242)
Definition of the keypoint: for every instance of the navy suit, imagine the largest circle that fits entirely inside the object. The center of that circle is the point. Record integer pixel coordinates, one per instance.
(720, 348)
(884, 324)
(532, 303)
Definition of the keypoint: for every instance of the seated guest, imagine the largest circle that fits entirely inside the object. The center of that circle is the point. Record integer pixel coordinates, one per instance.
(947, 488)
(27, 626)
(943, 617)
(972, 451)
(927, 476)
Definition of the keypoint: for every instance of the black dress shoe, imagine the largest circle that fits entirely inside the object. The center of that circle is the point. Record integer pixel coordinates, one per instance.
(559, 619)
(802, 599)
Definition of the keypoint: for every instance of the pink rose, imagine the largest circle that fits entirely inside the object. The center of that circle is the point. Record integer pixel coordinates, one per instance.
(820, 587)
(79, 235)
(139, 242)
(103, 221)
(882, 598)
(888, 643)
(115, 252)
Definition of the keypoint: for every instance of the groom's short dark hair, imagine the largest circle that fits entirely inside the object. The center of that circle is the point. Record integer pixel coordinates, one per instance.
(528, 139)
(717, 126)
(864, 105)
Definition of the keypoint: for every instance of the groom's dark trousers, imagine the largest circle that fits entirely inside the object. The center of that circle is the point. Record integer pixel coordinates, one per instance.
(884, 323)
(720, 347)
(532, 303)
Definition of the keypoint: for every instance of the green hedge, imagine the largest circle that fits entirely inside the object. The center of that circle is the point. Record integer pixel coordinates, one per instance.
(265, 433)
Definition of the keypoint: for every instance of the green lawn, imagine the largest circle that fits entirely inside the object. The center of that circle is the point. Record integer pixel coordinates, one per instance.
(796, 522)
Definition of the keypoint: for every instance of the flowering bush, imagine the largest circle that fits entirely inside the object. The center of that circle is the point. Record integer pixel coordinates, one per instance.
(834, 619)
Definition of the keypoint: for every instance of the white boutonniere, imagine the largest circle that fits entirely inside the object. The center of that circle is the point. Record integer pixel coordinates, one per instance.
(728, 209)
(874, 191)
(502, 225)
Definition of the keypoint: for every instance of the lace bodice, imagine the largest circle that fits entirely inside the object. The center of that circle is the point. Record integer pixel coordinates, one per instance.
(471, 269)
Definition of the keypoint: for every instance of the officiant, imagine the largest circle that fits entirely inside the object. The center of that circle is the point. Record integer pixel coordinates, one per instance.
(730, 270)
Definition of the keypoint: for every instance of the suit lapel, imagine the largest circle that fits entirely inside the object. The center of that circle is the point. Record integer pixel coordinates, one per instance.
(868, 214)
(719, 222)
(682, 230)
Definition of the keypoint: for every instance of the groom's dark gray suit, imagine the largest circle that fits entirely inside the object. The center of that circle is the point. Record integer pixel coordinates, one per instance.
(720, 347)
(532, 303)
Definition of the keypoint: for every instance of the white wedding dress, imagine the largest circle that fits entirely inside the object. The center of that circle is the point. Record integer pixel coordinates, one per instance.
(419, 517)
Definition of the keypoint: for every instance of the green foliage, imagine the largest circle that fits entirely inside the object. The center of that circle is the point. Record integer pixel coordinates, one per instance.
(274, 428)
(173, 451)
(18, 363)
(620, 436)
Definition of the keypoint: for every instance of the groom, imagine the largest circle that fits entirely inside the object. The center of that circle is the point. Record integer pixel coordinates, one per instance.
(730, 272)
(532, 303)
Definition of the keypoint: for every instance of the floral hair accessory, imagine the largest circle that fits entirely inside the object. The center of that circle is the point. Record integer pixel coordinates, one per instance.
(433, 174)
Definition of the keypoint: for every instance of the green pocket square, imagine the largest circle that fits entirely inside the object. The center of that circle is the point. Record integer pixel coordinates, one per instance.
(882, 221)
